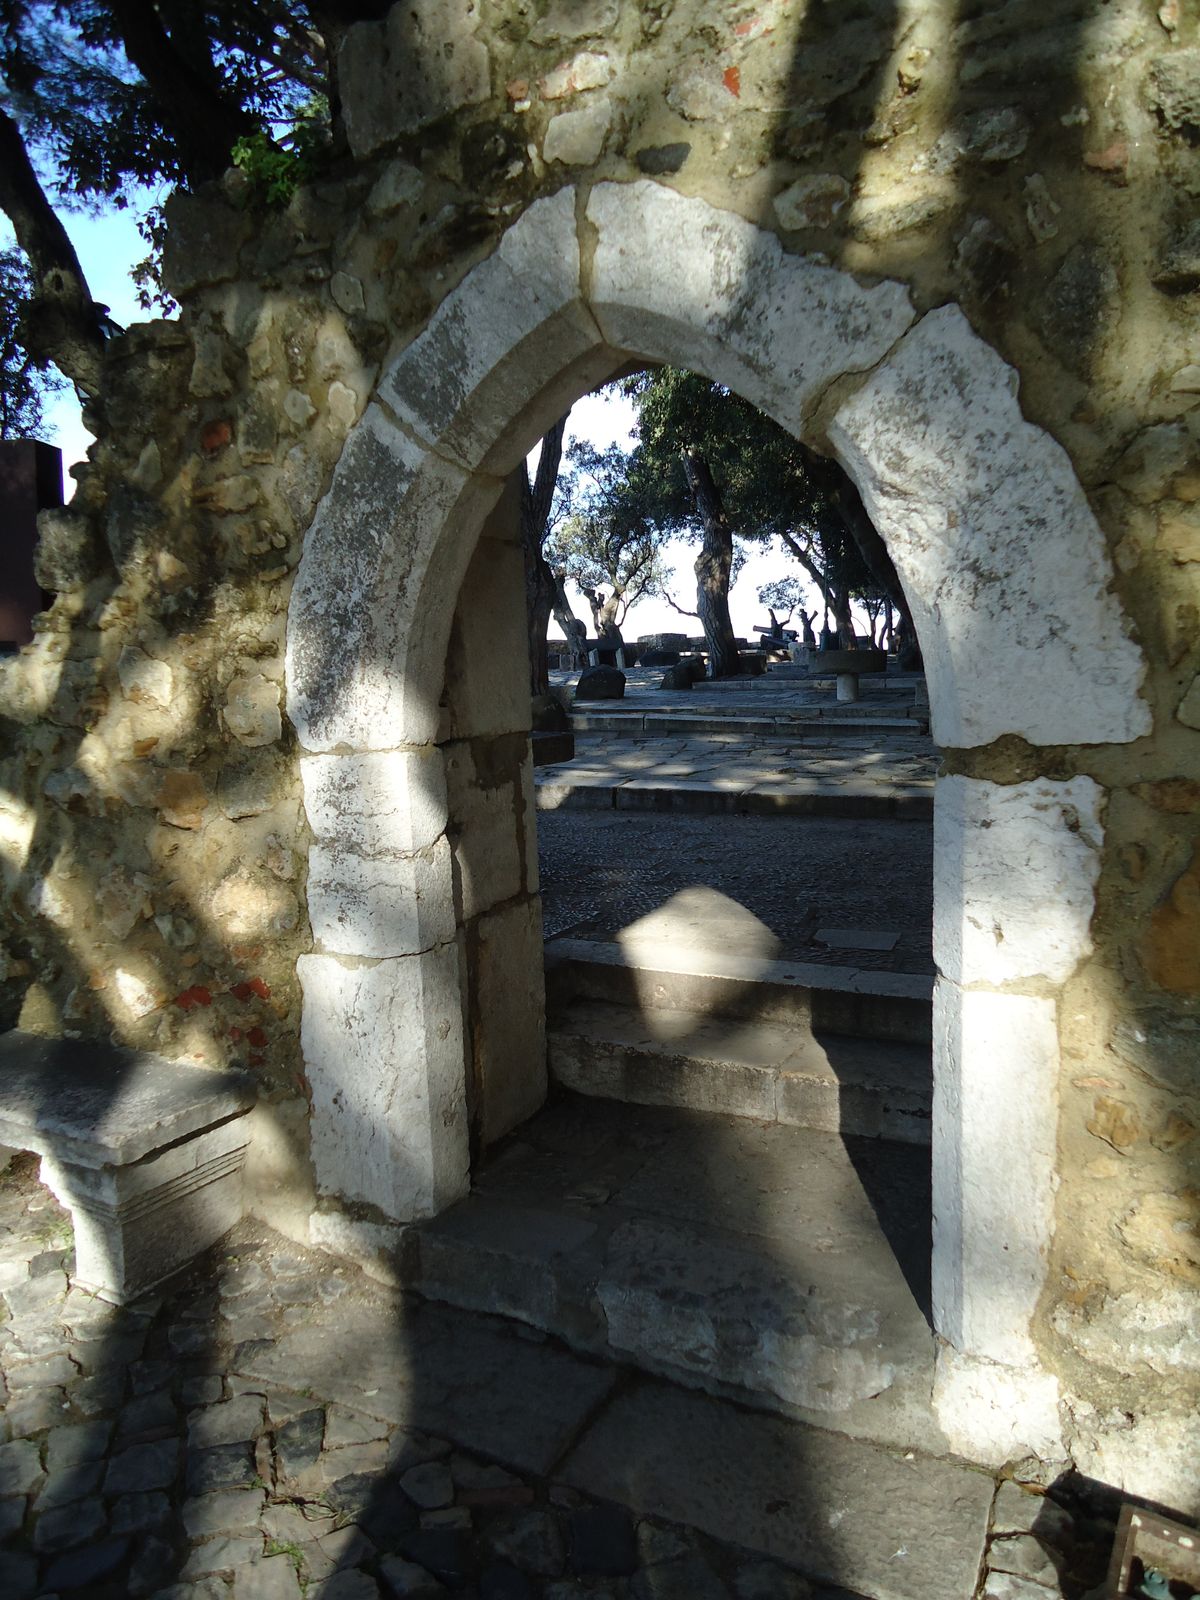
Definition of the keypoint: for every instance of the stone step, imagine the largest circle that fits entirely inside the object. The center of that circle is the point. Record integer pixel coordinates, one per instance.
(771, 1071)
(816, 999)
(563, 789)
(778, 1265)
(893, 721)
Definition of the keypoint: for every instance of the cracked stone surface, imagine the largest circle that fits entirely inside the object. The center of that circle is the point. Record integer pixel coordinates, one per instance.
(363, 1444)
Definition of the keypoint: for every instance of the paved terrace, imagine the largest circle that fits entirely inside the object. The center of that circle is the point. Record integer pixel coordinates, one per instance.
(773, 746)
(277, 1425)
(814, 845)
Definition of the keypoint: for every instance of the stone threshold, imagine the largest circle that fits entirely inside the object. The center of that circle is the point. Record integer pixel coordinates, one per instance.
(911, 802)
(900, 720)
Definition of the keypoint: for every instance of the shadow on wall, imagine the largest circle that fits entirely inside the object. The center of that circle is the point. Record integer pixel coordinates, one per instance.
(949, 219)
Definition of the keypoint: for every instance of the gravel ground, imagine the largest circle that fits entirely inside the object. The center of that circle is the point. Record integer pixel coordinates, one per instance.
(601, 871)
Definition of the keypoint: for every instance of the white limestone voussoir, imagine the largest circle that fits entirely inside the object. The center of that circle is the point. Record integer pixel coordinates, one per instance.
(514, 322)
(995, 1097)
(1002, 560)
(378, 802)
(376, 587)
(381, 905)
(1015, 869)
(675, 279)
(383, 1052)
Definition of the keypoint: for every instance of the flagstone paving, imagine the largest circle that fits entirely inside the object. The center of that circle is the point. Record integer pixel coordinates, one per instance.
(276, 1425)
(875, 775)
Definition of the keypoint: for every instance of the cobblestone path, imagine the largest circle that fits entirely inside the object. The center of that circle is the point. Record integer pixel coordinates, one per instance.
(277, 1425)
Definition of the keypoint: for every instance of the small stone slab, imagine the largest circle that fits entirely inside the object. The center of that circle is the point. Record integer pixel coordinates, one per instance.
(97, 1105)
(857, 938)
(845, 1512)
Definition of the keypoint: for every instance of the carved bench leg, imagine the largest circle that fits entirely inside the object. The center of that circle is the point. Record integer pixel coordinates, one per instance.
(136, 1225)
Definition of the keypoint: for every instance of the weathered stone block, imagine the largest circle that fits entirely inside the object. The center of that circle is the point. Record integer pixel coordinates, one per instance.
(376, 804)
(136, 1225)
(493, 343)
(1015, 870)
(576, 138)
(600, 683)
(383, 1052)
(775, 327)
(252, 710)
(369, 617)
(422, 63)
(994, 1159)
(487, 664)
(486, 823)
(986, 522)
(68, 551)
(508, 1017)
(380, 906)
(203, 238)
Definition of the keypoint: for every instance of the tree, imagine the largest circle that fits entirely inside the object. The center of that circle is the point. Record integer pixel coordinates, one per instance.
(607, 539)
(99, 95)
(768, 485)
(544, 503)
(23, 386)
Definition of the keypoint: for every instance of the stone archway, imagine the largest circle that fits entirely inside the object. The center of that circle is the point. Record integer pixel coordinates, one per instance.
(1005, 569)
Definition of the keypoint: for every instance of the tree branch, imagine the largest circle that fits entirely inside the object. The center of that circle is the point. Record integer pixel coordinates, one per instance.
(61, 324)
(205, 123)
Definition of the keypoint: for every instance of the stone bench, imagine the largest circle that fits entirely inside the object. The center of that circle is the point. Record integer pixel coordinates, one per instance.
(146, 1154)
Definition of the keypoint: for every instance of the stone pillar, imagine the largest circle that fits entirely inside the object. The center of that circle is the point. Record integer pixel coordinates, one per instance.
(847, 686)
(382, 1028)
(1015, 867)
(489, 774)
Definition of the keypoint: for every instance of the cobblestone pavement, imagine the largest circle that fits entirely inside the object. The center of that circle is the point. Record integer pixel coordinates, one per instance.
(601, 870)
(277, 1425)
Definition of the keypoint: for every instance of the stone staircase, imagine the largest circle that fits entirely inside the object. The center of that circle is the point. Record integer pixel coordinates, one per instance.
(837, 1049)
(731, 1187)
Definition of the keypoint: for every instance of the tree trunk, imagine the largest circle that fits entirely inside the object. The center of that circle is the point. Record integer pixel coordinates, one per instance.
(536, 501)
(713, 566)
(844, 617)
(205, 121)
(574, 631)
(871, 546)
(604, 617)
(61, 324)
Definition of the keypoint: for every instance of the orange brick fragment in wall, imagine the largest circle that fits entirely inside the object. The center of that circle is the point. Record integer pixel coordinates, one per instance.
(1171, 947)
(732, 78)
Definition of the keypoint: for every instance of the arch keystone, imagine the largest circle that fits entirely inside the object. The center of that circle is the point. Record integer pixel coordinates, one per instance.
(680, 281)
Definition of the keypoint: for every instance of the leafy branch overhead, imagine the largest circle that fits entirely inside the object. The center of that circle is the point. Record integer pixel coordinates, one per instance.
(101, 97)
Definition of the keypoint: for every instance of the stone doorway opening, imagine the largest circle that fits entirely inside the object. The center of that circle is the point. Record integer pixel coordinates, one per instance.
(924, 417)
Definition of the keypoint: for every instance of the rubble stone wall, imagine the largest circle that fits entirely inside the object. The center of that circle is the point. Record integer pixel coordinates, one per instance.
(245, 803)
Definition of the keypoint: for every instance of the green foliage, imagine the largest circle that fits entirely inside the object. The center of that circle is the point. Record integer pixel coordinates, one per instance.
(97, 125)
(270, 168)
(24, 386)
(782, 594)
(772, 486)
(278, 168)
(605, 539)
